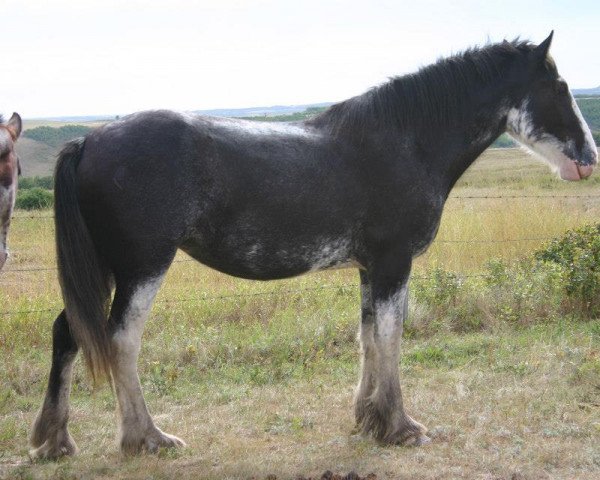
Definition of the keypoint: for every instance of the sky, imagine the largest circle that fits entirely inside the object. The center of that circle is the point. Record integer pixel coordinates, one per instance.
(109, 57)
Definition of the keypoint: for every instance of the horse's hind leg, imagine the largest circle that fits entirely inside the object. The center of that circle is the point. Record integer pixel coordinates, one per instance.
(49, 436)
(131, 306)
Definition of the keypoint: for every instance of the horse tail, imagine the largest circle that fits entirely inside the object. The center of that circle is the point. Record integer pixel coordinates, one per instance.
(85, 280)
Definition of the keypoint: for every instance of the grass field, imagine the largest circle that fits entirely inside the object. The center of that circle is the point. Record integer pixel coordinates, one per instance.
(258, 377)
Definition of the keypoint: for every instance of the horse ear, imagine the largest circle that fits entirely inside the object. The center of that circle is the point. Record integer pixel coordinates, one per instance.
(541, 51)
(15, 125)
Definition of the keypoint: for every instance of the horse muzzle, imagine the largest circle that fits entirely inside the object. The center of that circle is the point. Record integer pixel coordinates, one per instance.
(574, 170)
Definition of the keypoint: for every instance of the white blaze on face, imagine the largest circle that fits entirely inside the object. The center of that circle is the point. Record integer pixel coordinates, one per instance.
(589, 147)
(521, 127)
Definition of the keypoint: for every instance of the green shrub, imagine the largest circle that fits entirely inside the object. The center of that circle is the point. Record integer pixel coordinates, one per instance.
(34, 199)
(439, 288)
(563, 277)
(27, 183)
(519, 293)
(523, 293)
(444, 301)
(578, 255)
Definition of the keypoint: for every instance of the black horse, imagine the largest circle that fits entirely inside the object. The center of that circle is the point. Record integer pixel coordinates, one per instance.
(363, 185)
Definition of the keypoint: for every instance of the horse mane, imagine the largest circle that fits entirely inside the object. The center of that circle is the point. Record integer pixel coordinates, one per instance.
(437, 94)
(1, 118)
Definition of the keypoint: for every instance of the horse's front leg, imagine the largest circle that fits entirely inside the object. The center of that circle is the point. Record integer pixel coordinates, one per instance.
(379, 407)
(366, 383)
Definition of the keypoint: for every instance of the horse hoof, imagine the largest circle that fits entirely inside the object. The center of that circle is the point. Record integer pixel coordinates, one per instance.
(163, 440)
(152, 442)
(52, 450)
(417, 440)
(411, 434)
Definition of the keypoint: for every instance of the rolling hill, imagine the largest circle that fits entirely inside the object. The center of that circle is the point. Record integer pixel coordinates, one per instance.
(586, 91)
(36, 158)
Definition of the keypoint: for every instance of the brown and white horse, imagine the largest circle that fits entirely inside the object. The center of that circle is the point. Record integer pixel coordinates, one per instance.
(9, 172)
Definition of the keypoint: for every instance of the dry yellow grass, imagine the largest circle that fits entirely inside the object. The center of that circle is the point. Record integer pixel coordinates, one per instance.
(511, 409)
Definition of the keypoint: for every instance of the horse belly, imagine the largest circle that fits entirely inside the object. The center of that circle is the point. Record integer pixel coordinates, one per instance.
(259, 260)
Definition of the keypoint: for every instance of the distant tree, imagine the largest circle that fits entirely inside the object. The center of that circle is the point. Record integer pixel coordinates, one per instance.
(55, 137)
(590, 109)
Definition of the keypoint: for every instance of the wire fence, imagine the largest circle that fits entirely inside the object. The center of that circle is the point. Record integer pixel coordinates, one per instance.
(228, 297)
(468, 241)
(238, 296)
(452, 197)
(206, 298)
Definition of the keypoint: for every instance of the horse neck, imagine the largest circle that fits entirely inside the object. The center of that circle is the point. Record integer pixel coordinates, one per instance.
(467, 140)
(445, 130)
(449, 149)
